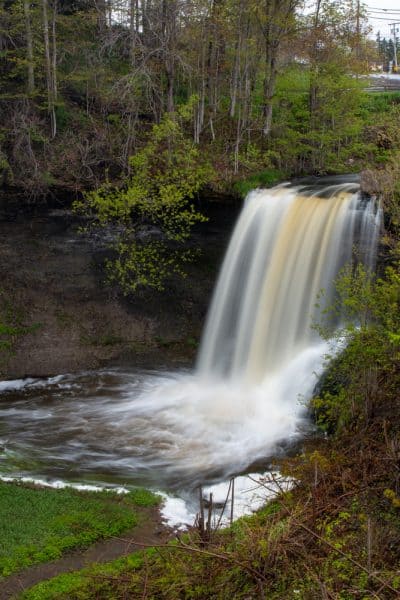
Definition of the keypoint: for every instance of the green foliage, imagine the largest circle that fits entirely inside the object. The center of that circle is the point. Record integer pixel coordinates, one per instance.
(370, 332)
(154, 211)
(39, 525)
(106, 103)
(63, 116)
(266, 178)
(144, 498)
(325, 139)
(379, 102)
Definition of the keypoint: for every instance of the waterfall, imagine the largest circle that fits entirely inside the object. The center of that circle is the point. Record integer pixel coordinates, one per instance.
(287, 246)
(258, 364)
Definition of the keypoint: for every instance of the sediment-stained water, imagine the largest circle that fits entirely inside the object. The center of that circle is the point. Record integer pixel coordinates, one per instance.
(259, 362)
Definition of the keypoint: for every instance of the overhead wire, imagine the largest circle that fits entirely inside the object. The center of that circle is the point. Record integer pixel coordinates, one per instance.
(382, 12)
(382, 19)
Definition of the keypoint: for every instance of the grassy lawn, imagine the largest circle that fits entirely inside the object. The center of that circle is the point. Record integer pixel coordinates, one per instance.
(39, 525)
(96, 581)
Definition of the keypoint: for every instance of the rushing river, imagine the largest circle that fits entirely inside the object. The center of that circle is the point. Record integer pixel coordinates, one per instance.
(258, 364)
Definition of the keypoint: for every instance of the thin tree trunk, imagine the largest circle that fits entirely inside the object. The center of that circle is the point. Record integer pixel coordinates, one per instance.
(137, 15)
(215, 52)
(278, 15)
(237, 144)
(314, 66)
(169, 16)
(54, 51)
(109, 10)
(146, 22)
(235, 79)
(101, 6)
(237, 65)
(203, 88)
(269, 90)
(250, 75)
(170, 92)
(132, 30)
(49, 78)
(29, 48)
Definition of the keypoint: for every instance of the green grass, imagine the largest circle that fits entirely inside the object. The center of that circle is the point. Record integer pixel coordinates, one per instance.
(379, 102)
(266, 178)
(38, 525)
(92, 582)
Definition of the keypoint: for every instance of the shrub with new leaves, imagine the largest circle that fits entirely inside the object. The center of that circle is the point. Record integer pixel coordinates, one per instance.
(153, 213)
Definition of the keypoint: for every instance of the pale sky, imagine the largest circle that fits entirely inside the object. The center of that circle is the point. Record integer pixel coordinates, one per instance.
(381, 13)
(379, 18)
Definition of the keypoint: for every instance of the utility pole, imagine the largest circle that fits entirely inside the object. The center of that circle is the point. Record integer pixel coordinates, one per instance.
(394, 28)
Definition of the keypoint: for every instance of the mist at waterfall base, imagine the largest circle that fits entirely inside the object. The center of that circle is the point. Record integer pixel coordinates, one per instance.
(258, 364)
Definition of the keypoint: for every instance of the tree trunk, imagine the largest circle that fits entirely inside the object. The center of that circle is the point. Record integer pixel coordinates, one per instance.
(146, 21)
(132, 30)
(101, 7)
(54, 50)
(49, 76)
(29, 48)
(3, 42)
(237, 63)
(314, 66)
(269, 91)
(137, 15)
(168, 27)
(276, 24)
(215, 56)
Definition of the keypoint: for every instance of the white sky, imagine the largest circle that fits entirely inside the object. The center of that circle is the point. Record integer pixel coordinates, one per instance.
(380, 19)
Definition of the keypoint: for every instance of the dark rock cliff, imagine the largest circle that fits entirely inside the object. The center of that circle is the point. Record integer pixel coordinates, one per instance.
(66, 318)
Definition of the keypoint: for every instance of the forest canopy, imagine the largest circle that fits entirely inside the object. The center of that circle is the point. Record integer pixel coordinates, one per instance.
(84, 81)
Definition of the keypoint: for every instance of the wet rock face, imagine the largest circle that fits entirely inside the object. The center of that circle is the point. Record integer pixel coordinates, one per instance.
(53, 294)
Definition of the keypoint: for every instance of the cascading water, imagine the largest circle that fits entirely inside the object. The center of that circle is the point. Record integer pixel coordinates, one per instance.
(256, 368)
(286, 248)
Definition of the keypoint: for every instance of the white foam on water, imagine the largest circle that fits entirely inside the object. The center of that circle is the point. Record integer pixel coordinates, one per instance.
(59, 484)
(259, 362)
(15, 384)
(176, 513)
(251, 492)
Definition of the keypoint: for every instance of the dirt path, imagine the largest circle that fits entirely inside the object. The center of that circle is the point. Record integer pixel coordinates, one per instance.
(150, 531)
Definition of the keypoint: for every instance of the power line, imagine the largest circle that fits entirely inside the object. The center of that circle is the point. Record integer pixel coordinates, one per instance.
(394, 12)
(383, 19)
(377, 8)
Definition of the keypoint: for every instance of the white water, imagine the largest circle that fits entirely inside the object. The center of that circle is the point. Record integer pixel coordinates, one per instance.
(286, 248)
(251, 492)
(258, 365)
